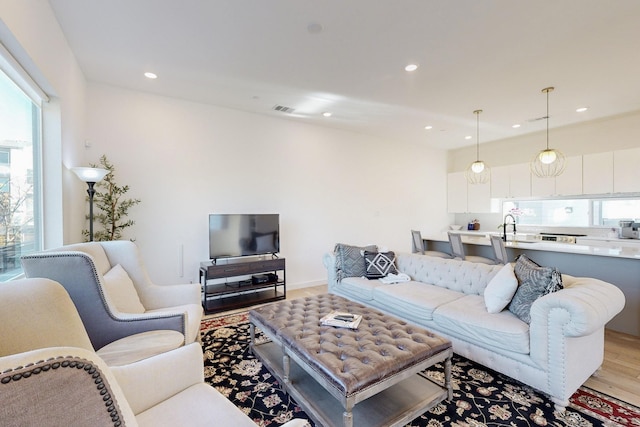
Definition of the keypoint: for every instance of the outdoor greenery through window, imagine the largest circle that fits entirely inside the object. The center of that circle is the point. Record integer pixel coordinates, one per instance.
(19, 171)
(600, 212)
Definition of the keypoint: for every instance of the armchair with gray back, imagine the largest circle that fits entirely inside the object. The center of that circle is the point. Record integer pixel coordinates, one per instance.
(113, 293)
(51, 376)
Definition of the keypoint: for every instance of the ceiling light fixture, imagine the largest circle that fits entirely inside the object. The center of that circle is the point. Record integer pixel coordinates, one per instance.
(411, 67)
(428, 127)
(150, 75)
(327, 114)
(478, 172)
(516, 126)
(581, 109)
(549, 162)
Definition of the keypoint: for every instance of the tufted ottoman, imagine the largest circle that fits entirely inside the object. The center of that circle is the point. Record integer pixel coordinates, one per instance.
(329, 370)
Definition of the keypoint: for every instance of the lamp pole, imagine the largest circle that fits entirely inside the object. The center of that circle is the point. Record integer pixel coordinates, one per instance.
(91, 176)
(91, 191)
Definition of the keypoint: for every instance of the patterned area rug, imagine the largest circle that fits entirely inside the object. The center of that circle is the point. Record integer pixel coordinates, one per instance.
(482, 397)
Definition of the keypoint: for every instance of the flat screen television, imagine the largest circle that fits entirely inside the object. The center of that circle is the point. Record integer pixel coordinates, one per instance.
(237, 235)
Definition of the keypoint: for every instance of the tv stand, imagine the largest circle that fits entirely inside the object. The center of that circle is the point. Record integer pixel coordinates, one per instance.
(234, 286)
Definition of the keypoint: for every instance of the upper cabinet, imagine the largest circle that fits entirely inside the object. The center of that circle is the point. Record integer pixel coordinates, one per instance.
(568, 183)
(597, 173)
(511, 181)
(626, 171)
(600, 173)
(463, 197)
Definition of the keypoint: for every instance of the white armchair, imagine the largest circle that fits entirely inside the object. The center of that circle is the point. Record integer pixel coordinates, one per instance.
(115, 297)
(50, 375)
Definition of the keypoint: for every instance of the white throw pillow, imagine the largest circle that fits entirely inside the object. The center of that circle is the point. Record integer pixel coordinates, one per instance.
(121, 291)
(500, 290)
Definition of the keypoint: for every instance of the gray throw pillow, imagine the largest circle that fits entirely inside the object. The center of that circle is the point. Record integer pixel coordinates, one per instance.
(534, 281)
(379, 264)
(350, 260)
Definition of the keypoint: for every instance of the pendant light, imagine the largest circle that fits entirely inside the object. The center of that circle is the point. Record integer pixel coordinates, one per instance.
(549, 162)
(478, 172)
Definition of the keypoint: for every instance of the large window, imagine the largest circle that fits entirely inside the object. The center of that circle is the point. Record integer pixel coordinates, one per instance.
(602, 212)
(20, 213)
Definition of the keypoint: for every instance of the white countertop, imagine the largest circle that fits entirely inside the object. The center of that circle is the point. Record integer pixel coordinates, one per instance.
(619, 248)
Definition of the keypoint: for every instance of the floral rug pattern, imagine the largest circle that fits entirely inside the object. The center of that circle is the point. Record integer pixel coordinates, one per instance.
(482, 397)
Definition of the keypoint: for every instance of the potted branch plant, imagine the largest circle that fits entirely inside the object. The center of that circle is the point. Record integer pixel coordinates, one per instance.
(112, 206)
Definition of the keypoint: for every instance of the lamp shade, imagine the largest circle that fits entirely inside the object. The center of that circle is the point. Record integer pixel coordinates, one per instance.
(90, 174)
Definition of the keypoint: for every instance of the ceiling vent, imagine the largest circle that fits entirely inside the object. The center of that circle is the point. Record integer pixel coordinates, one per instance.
(283, 109)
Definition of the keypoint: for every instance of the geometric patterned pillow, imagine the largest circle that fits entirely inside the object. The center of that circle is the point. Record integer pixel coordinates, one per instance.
(349, 260)
(379, 264)
(534, 281)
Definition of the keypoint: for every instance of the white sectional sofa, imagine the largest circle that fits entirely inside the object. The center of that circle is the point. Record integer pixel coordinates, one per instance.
(555, 353)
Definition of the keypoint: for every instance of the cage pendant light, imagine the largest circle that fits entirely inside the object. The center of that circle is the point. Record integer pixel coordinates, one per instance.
(478, 172)
(549, 162)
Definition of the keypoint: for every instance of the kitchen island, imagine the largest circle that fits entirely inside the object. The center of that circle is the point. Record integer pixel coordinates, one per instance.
(616, 262)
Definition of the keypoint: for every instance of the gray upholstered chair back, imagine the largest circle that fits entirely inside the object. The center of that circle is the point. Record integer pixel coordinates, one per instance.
(456, 245)
(417, 245)
(78, 273)
(499, 249)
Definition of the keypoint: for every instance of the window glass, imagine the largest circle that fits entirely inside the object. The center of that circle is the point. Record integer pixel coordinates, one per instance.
(574, 212)
(19, 149)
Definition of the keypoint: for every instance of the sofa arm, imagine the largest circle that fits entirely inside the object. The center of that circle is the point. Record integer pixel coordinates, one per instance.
(163, 296)
(151, 381)
(588, 303)
(329, 261)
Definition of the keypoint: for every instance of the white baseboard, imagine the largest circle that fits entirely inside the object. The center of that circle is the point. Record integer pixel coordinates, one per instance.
(302, 285)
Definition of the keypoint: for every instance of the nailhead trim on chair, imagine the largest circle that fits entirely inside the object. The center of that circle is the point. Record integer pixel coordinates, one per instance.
(68, 362)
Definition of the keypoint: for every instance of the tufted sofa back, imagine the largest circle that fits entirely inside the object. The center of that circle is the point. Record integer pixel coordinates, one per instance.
(462, 276)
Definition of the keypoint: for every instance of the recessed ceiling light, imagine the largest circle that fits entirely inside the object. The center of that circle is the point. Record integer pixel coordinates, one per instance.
(150, 75)
(516, 126)
(327, 114)
(411, 67)
(429, 127)
(467, 137)
(581, 109)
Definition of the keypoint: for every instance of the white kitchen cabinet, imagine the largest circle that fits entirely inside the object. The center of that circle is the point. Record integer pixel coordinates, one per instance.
(568, 183)
(500, 182)
(626, 171)
(463, 197)
(597, 173)
(520, 180)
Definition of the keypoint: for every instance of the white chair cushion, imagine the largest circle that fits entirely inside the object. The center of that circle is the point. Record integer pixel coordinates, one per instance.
(121, 291)
(500, 290)
(140, 346)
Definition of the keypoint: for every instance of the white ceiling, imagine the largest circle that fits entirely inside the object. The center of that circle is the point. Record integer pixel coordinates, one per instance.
(494, 55)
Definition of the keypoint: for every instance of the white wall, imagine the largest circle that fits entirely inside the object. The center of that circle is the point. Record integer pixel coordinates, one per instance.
(185, 160)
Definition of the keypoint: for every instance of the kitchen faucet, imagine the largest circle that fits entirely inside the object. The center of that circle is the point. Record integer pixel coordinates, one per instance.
(504, 226)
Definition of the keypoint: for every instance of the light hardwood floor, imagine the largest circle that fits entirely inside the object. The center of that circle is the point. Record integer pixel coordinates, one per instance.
(620, 373)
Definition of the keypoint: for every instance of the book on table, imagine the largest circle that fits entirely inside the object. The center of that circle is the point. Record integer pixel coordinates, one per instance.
(341, 319)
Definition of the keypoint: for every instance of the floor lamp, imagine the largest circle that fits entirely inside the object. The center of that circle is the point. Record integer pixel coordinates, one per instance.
(90, 176)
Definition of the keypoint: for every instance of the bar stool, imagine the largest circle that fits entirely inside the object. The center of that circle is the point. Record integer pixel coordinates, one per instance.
(457, 249)
(498, 248)
(417, 246)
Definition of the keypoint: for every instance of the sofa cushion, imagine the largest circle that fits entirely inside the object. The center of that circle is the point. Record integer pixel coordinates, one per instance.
(500, 290)
(468, 319)
(379, 264)
(360, 288)
(350, 260)
(414, 299)
(121, 291)
(534, 281)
